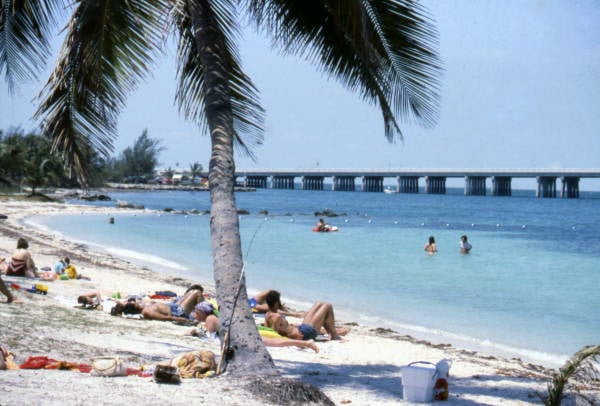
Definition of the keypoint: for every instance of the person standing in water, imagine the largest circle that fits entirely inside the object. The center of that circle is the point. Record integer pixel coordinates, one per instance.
(465, 247)
(430, 248)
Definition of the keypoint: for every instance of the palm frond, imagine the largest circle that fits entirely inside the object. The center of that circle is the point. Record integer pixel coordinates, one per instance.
(25, 27)
(248, 115)
(107, 52)
(582, 366)
(383, 49)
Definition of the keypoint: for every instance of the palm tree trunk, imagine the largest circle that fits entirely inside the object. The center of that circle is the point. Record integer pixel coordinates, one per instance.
(249, 354)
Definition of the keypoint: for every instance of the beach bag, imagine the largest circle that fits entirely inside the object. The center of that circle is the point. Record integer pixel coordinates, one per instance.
(108, 366)
(195, 364)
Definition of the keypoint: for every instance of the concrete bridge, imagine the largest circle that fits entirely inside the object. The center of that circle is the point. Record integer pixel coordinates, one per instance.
(408, 179)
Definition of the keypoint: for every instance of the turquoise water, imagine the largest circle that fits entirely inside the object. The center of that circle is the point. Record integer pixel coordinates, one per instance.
(528, 289)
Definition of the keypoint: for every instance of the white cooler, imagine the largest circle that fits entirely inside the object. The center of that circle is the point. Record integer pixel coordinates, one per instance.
(418, 379)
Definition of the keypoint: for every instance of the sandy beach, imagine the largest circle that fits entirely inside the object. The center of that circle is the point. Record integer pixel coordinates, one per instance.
(363, 369)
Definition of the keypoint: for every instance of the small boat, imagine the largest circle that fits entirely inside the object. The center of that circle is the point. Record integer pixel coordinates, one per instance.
(388, 190)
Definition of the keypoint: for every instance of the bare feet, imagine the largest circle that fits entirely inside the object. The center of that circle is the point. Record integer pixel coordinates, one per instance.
(340, 331)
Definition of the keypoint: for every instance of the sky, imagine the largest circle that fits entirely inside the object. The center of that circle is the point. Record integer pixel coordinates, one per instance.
(520, 89)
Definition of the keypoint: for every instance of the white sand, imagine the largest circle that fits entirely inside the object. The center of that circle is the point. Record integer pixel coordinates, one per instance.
(364, 369)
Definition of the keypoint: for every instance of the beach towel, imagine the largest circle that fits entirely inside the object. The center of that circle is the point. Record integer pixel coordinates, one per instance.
(42, 362)
(269, 332)
(166, 293)
(160, 297)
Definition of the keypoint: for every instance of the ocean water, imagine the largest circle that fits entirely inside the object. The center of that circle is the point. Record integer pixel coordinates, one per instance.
(528, 289)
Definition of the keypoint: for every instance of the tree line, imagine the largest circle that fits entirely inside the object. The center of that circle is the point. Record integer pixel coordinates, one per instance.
(28, 160)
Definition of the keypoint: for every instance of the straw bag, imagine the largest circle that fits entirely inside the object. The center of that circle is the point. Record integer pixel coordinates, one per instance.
(108, 366)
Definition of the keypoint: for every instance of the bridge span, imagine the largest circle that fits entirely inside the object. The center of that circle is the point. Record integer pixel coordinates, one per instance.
(371, 180)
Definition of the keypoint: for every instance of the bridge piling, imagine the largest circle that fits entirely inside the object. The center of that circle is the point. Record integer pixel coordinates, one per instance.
(435, 185)
(501, 186)
(408, 184)
(570, 187)
(372, 184)
(546, 186)
(312, 183)
(475, 186)
(344, 183)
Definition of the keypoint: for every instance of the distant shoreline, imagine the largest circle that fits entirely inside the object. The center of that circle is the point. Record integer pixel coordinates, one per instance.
(155, 187)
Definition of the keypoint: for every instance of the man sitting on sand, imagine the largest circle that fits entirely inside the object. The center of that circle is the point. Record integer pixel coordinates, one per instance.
(258, 304)
(319, 316)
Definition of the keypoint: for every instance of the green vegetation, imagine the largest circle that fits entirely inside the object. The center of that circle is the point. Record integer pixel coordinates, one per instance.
(27, 160)
(136, 164)
(582, 366)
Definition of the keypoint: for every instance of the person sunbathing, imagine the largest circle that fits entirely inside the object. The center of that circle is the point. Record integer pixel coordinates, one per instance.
(319, 316)
(204, 312)
(192, 296)
(94, 300)
(258, 304)
(152, 310)
(179, 310)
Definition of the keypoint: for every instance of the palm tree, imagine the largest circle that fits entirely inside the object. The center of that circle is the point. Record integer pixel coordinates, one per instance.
(140, 160)
(383, 49)
(196, 169)
(582, 366)
(37, 174)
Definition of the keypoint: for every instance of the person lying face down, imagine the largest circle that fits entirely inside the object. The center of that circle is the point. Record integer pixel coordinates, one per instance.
(319, 316)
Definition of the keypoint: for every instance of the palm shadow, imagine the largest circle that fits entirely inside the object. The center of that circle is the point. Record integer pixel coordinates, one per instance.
(386, 381)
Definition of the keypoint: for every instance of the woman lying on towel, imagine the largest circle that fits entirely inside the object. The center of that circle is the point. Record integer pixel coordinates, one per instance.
(204, 313)
(21, 263)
